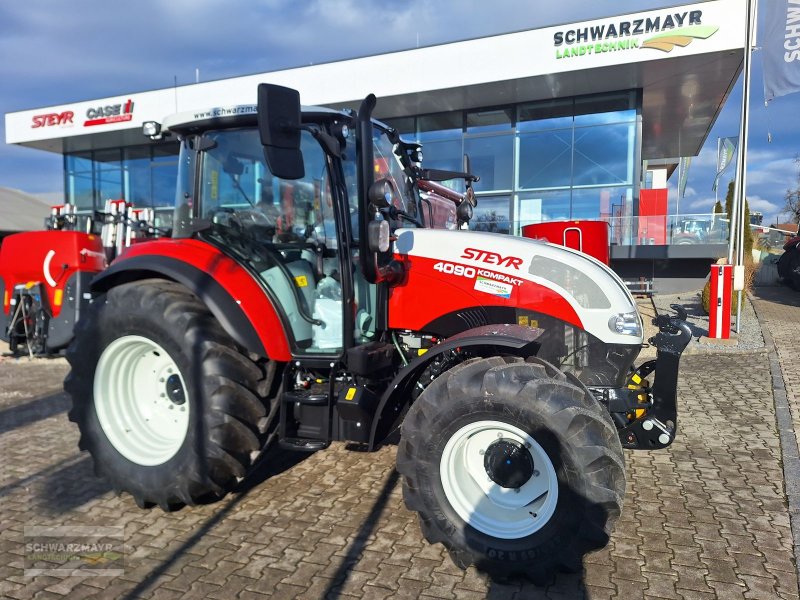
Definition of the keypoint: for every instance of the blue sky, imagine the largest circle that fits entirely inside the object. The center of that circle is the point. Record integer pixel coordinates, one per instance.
(55, 53)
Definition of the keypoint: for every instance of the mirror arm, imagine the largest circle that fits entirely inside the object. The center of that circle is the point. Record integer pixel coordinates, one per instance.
(329, 143)
(396, 214)
(440, 175)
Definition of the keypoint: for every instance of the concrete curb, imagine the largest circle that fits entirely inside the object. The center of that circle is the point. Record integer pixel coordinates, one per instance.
(788, 437)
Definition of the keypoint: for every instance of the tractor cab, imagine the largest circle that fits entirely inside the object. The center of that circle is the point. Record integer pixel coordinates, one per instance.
(297, 236)
(299, 224)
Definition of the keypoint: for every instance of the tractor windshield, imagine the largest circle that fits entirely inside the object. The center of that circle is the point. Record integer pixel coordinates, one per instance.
(238, 192)
(386, 165)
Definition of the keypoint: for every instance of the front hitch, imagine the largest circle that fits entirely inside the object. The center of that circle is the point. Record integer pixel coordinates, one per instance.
(649, 416)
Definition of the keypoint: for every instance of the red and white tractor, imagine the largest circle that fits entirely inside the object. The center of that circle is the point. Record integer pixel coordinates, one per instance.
(303, 297)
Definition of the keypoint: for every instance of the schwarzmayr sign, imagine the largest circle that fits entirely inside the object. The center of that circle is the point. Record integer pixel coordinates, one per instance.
(670, 29)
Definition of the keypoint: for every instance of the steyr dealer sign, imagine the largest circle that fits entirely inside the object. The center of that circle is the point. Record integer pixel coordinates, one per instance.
(663, 32)
(99, 115)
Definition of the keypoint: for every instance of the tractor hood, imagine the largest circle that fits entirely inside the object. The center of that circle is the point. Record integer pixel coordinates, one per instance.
(489, 269)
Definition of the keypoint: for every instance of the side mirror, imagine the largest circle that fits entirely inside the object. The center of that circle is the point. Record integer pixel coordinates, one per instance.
(279, 127)
(378, 236)
(464, 212)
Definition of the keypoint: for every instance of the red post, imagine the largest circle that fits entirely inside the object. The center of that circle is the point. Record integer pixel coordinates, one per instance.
(719, 303)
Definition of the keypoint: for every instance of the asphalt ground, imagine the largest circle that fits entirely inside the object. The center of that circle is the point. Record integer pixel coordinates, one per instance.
(706, 518)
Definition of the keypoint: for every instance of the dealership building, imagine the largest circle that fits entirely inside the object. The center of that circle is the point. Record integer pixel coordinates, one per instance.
(577, 121)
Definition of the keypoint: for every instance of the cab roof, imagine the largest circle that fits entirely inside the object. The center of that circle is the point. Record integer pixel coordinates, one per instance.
(231, 116)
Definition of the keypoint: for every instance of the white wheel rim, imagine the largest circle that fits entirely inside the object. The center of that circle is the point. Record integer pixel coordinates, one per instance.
(133, 403)
(483, 504)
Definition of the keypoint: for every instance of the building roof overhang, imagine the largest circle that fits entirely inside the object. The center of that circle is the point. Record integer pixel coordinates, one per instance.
(685, 72)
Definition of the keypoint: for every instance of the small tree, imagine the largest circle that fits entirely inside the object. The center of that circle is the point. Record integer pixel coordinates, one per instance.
(729, 201)
(748, 232)
(792, 197)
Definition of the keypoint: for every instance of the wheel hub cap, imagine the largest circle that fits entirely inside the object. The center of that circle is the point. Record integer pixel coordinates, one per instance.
(175, 390)
(508, 463)
(499, 479)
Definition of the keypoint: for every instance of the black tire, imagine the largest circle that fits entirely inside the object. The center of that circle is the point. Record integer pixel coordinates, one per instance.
(564, 419)
(794, 268)
(789, 267)
(784, 265)
(222, 433)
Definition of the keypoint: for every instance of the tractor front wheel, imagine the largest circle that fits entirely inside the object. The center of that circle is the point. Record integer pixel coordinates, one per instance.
(164, 399)
(512, 467)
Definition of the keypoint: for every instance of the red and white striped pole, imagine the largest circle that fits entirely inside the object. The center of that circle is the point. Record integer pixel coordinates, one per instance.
(719, 305)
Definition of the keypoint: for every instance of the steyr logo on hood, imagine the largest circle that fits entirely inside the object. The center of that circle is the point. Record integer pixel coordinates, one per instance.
(492, 258)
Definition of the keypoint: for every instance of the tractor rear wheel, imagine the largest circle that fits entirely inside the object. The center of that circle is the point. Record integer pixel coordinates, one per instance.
(165, 401)
(512, 467)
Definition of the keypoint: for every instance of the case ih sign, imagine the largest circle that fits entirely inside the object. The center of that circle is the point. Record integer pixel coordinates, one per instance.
(112, 113)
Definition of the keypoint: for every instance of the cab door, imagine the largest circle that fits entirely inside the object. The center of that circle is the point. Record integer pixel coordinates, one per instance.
(284, 229)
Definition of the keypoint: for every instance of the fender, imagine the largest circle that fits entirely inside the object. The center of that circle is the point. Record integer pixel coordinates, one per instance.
(512, 339)
(235, 299)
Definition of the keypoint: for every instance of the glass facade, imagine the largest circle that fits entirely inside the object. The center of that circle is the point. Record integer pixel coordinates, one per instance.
(568, 158)
(144, 175)
(571, 158)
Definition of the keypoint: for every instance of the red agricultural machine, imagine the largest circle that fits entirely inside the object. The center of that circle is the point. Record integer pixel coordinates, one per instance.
(314, 287)
(44, 283)
(45, 275)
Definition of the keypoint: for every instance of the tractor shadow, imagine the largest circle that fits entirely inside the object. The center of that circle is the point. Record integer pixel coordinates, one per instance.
(360, 540)
(63, 490)
(279, 461)
(564, 586)
(561, 585)
(32, 411)
(778, 294)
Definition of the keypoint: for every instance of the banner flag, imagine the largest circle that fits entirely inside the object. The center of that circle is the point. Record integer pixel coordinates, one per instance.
(683, 175)
(781, 44)
(725, 152)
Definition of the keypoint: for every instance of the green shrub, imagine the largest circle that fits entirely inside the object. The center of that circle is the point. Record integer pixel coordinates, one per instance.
(750, 268)
(706, 298)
